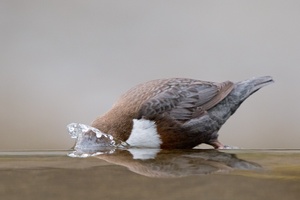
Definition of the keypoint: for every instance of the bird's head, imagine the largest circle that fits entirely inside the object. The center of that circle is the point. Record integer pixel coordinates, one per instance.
(91, 141)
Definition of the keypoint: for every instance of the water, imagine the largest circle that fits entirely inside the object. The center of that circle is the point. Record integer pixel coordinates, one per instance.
(151, 174)
(90, 141)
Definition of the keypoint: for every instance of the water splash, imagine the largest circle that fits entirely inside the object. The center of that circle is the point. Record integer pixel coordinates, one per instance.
(91, 141)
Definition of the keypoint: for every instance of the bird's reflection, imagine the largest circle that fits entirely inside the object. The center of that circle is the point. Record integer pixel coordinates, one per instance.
(153, 162)
(177, 163)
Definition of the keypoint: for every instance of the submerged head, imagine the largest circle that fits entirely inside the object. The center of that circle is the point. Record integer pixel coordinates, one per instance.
(90, 140)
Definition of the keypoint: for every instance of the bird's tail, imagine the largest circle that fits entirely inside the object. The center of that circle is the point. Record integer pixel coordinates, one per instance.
(241, 91)
(218, 115)
(244, 89)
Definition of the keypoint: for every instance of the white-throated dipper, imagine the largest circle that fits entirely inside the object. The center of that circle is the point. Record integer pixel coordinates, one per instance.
(176, 113)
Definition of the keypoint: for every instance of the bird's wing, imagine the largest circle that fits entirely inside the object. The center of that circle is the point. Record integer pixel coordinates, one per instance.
(183, 102)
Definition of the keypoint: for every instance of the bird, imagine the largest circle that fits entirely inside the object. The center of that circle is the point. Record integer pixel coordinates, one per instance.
(176, 113)
(168, 163)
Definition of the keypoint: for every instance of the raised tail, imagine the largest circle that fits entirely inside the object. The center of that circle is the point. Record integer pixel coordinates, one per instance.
(219, 114)
(243, 89)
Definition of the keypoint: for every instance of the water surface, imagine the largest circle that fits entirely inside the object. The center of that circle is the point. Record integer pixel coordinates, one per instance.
(152, 174)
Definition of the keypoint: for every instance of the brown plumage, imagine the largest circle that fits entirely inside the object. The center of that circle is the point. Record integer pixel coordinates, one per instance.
(186, 112)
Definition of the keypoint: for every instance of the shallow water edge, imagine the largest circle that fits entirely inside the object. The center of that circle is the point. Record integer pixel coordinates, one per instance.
(178, 174)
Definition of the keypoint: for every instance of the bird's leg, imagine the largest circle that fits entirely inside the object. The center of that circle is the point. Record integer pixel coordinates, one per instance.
(213, 141)
(217, 144)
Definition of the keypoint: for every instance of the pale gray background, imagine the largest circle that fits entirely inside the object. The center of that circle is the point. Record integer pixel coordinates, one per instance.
(67, 61)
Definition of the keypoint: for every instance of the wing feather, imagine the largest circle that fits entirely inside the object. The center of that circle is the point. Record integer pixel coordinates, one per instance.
(183, 102)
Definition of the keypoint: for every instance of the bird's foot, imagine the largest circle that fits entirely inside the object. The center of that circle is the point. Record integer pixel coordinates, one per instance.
(218, 145)
(228, 147)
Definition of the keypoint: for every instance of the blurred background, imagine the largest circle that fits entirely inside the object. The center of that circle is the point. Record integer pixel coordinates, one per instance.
(68, 61)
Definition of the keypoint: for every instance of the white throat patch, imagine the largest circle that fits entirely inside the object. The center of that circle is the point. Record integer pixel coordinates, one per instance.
(144, 134)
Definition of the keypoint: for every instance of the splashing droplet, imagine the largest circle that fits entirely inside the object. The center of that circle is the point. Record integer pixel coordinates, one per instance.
(91, 141)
